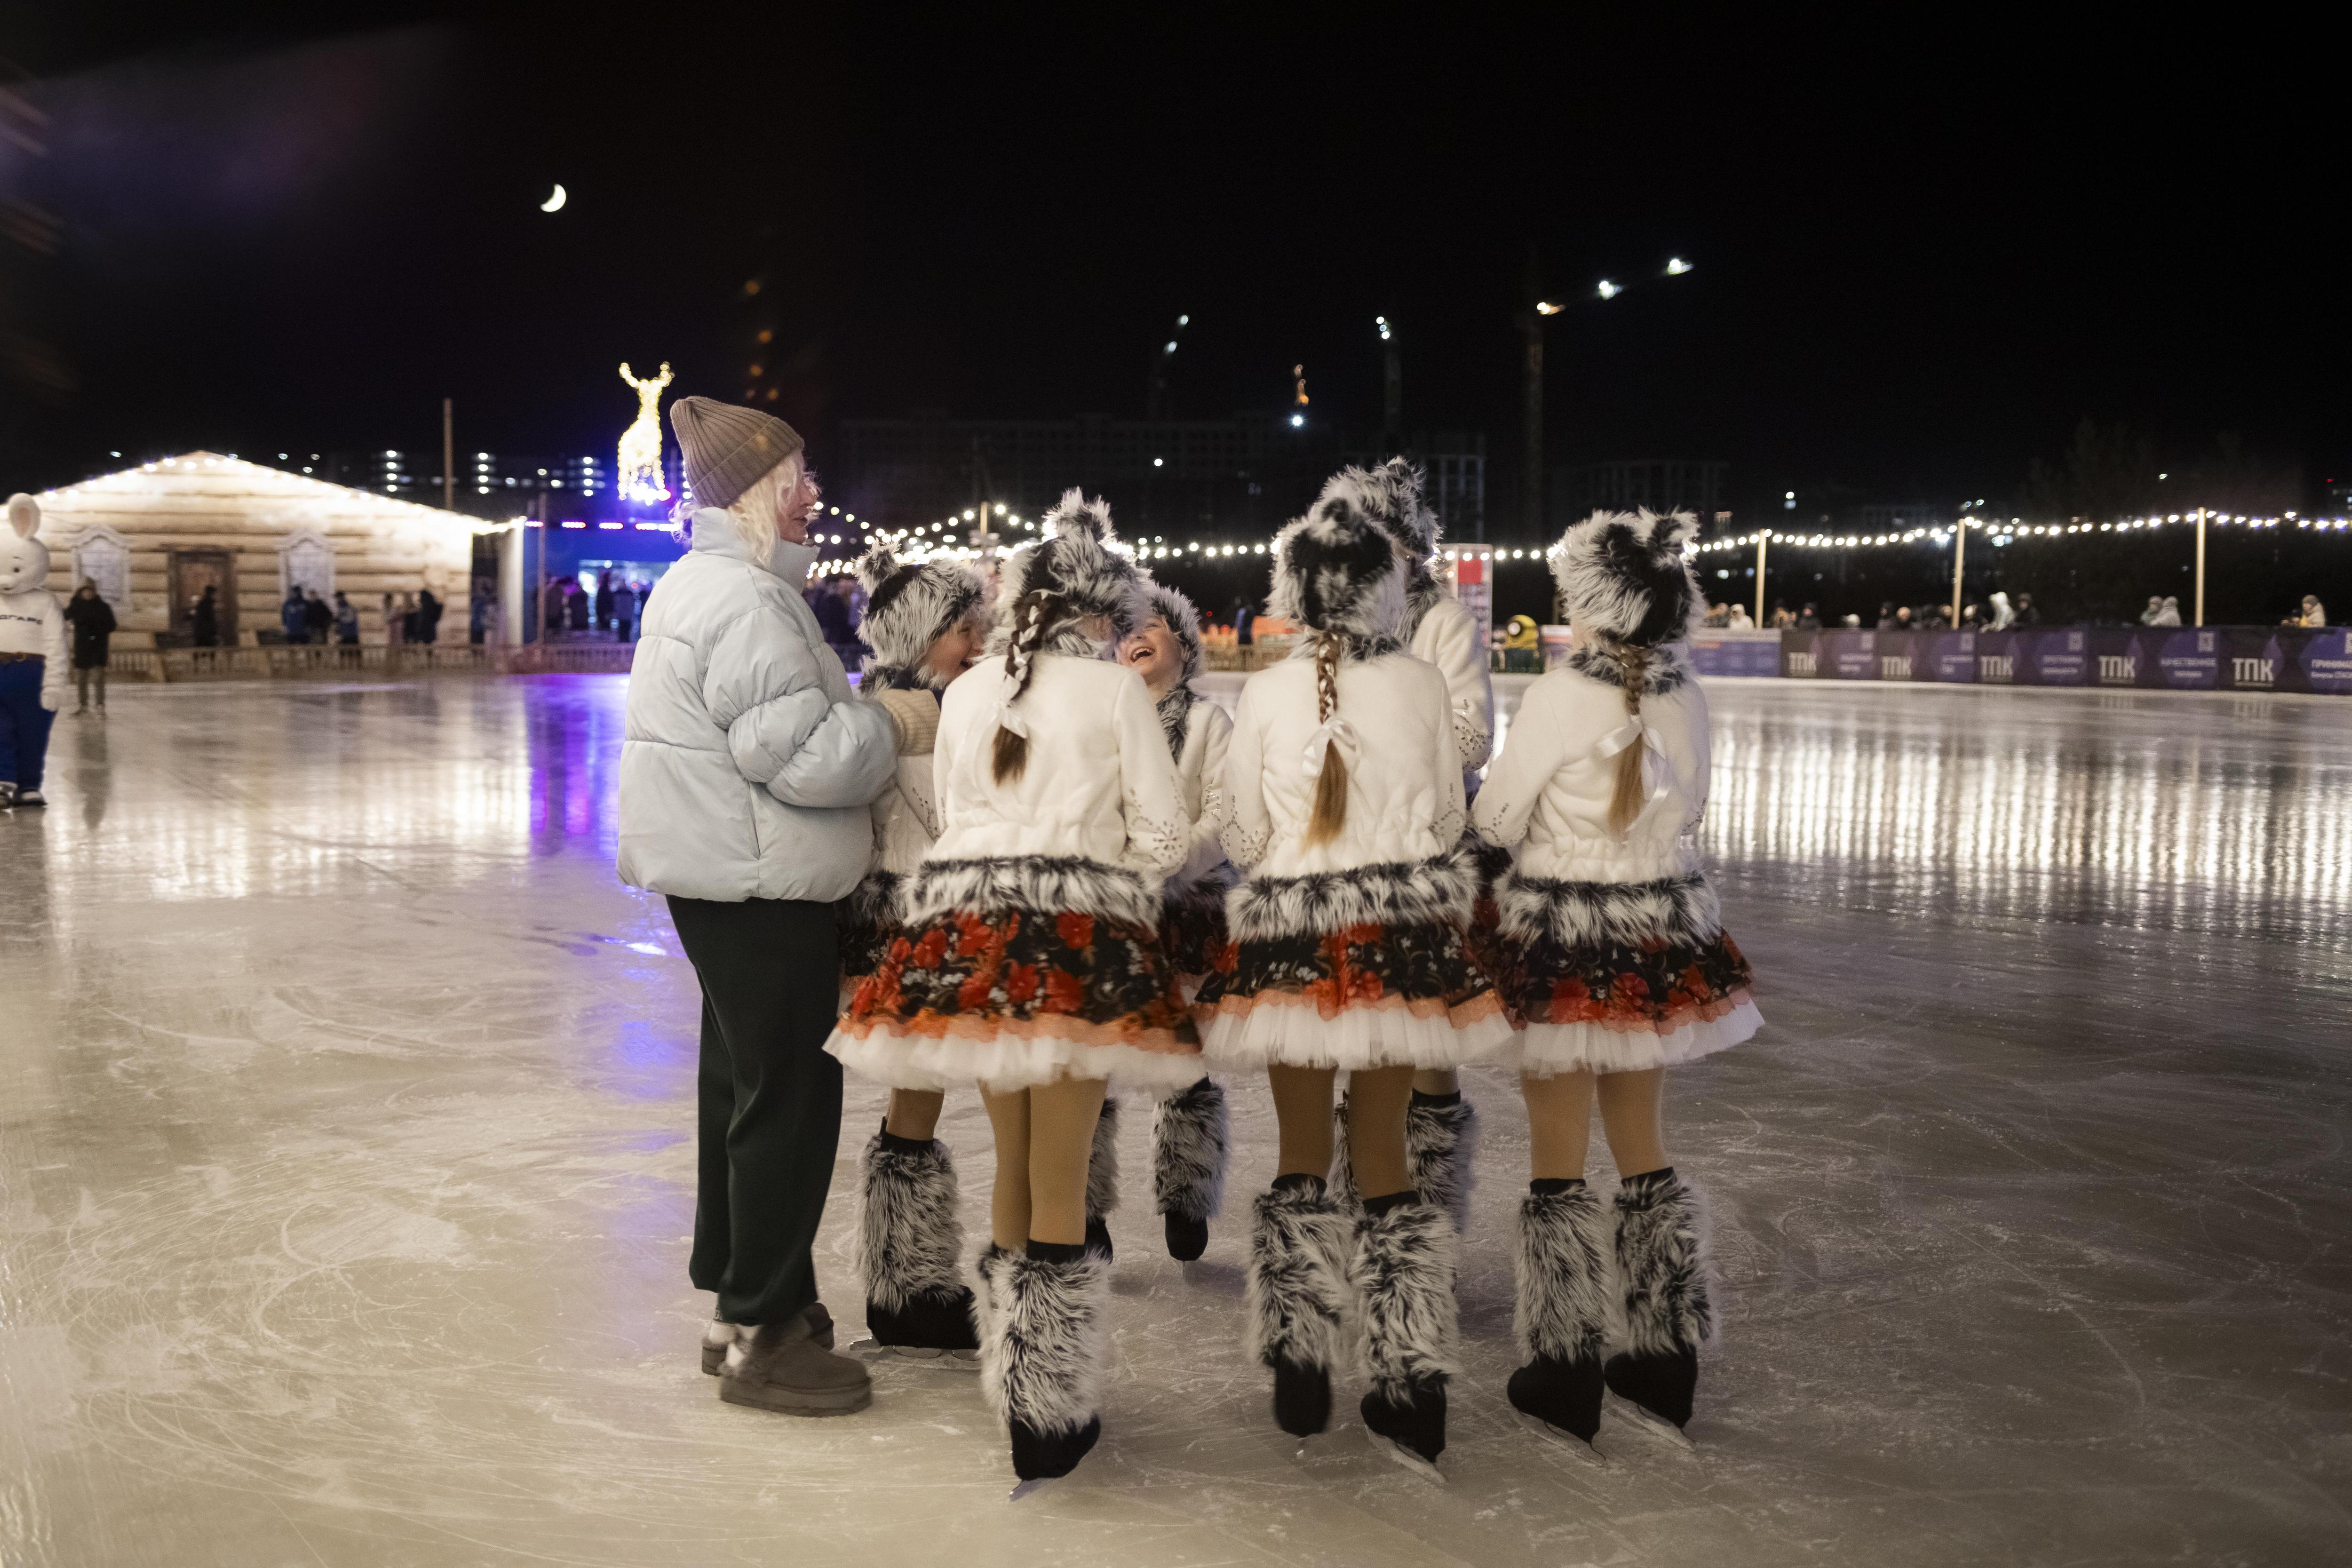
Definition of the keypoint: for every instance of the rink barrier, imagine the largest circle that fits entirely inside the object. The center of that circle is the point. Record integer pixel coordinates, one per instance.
(376, 661)
(2180, 659)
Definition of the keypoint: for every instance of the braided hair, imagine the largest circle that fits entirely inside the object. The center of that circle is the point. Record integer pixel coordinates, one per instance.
(1330, 810)
(1035, 616)
(1625, 797)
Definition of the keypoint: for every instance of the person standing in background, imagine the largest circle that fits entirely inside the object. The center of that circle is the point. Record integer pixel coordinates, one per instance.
(205, 620)
(92, 620)
(624, 611)
(429, 617)
(318, 620)
(293, 618)
(604, 601)
(347, 621)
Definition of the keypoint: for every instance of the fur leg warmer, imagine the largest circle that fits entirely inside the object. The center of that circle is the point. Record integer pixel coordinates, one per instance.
(1668, 1279)
(1296, 1297)
(1188, 1149)
(1441, 1138)
(1403, 1279)
(1102, 1180)
(1046, 1329)
(1566, 1282)
(909, 1242)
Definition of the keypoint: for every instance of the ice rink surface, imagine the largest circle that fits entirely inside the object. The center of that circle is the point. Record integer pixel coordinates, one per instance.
(345, 1164)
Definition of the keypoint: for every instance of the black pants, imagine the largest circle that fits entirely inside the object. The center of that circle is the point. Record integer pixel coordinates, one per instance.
(770, 1098)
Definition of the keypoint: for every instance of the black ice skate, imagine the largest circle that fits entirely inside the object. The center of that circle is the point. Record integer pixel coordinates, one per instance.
(1188, 1145)
(30, 797)
(1562, 1312)
(1668, 1280)
(1045, 1324)
(1102, 1181)
(909, 1244)
(1404, 1280)
(1296, 1297)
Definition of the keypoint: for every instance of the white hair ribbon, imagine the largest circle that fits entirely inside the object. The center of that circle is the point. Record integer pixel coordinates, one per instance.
(1332, 732)
(1010, 718)
(1656, 776)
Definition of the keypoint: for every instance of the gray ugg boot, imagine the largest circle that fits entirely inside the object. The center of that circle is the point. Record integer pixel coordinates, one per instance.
(1565, 1278)
(1667, 1275)
(909, 1247)
(1296, 1296)
(1406, 1252)
(1189, 1141)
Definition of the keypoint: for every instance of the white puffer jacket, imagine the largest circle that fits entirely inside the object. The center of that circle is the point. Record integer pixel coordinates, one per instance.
(1395, 726)
(1448, 638)
(747, 766)
(1549, 792)
(1201, 769)
(1099, 794)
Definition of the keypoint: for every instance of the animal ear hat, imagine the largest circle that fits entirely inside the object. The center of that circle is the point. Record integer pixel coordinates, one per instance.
(1392, 494)
(23, 514)
(1624, 577)
(909, 604)
(1184, 620)
(1337, 571)
(1076, 560)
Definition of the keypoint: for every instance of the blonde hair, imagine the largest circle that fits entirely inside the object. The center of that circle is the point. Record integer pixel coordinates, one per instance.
(1627, 796)
(754, 513)
(1330, 810)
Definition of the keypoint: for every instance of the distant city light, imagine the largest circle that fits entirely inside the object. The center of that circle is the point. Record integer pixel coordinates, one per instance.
(1298, 421)
(1609, 290)
(1545, 308)
(1676, 266)
(1158, 462)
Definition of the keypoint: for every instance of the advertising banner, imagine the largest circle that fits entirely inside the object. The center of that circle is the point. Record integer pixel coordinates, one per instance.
(1945, 656)
(1719, 652)
(2323, 663)
(2187, 661)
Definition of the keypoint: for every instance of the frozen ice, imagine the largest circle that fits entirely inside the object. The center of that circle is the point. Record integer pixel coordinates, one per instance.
(345, 1174)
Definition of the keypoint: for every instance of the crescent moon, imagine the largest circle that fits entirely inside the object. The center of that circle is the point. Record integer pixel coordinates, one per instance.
(554, 203)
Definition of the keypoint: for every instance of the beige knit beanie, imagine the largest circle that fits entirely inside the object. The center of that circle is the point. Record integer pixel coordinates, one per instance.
(728, 448)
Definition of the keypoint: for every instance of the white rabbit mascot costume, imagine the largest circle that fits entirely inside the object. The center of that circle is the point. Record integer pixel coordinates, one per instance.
(32, 656)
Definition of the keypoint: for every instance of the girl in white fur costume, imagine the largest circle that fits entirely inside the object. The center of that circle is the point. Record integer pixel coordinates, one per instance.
(1190, 1135)
(926, 622)
(1347, 954)
(1029, 955)
(1616, 966)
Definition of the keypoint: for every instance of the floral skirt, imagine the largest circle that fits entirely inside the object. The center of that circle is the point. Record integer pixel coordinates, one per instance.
(864, 924)
(1013, 998)
(1192, 933)
(1362, 996)
(1609, 1006)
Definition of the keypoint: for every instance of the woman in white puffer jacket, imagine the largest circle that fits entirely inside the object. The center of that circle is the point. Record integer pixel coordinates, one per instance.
(747, 766)
(1346, 818)
(1616, 967)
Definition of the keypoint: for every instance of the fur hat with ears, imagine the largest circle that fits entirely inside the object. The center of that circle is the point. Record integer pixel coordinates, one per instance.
(1076, 562)
(1624, 576)
(909, 604)
(1393, 493)
(1336, 570)
(1183, 621)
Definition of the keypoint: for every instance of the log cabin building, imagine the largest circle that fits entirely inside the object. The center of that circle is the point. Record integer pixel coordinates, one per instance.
(154, 537)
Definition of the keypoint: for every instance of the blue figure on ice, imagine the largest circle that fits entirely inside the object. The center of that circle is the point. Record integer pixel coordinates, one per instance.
(32, 656)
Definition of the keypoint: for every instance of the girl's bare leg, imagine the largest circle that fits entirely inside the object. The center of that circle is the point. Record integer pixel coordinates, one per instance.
(1302, 1110)
(1008, 1208)
(1559, 1124)
(1437, 1080)
(1630, 1106)
(1376, 1099)
(914, 1113)
(1062, 1118)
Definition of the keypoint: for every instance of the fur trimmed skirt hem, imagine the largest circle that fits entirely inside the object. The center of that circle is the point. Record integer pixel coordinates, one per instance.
(1290, 1028)
(1019, 1053)
(1542, 1050)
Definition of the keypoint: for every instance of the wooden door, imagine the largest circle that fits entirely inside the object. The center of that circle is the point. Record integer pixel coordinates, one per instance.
(193, 571)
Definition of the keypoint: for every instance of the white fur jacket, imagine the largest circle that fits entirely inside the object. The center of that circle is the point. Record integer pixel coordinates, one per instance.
(1094, 820)
(1549, 792)
(1394, 860)
(1201, 767)
(1447, 638)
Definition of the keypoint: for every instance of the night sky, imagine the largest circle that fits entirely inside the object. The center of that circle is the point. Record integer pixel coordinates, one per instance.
(1920, 260)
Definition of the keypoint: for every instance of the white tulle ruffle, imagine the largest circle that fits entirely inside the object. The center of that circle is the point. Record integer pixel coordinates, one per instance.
(1250, 1032)
(1544, 1050)
(1008, 1060)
